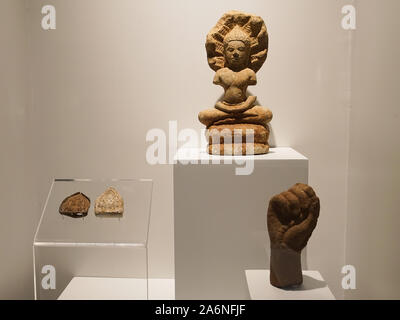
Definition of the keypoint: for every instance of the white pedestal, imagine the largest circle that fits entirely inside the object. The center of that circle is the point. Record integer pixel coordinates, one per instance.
(91, 288)
(313, 287)
(220, 219)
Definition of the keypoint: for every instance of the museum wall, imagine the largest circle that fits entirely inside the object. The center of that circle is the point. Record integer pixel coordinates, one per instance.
(18, 208)
(111, 71)
(372, 236)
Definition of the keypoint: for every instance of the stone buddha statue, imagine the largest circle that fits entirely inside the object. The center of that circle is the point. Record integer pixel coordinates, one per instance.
(236, 49)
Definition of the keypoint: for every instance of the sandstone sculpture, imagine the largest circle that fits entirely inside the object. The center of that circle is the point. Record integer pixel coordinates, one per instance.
(236, 49)
(109, 203)
(75, 206)
(291, 219)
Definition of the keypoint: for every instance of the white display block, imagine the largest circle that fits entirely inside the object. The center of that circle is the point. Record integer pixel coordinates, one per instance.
(220, 218)
(313, 287)
(88, 288)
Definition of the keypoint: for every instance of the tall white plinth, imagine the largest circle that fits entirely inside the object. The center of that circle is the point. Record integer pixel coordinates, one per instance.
(220, 218)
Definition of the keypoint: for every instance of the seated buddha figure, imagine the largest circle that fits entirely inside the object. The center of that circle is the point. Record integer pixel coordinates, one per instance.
(236, 49)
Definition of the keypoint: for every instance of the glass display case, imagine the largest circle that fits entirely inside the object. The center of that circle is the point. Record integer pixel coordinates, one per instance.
(96, 246)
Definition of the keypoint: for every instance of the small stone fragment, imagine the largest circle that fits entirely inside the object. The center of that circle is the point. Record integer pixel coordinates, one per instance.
(76, 205)
(109, 203)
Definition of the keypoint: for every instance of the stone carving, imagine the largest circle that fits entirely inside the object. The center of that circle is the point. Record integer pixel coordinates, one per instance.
(291, 219)
(109, 203)
(75, 206)
(236, 49)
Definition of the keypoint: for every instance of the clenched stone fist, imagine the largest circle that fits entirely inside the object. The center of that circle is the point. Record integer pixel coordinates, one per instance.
(291, 219)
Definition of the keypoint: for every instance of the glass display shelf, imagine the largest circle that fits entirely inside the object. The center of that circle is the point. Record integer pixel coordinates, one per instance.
(94, 245)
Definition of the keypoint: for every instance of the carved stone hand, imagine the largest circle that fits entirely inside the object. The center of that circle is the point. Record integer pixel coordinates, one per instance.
(291, 219)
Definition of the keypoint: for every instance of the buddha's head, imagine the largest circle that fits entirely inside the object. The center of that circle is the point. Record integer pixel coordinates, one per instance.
(237, 49)
(239, 40)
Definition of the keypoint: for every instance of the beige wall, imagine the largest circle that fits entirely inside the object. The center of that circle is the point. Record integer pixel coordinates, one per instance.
(112, 70)
(373, 240)
(18, 212)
